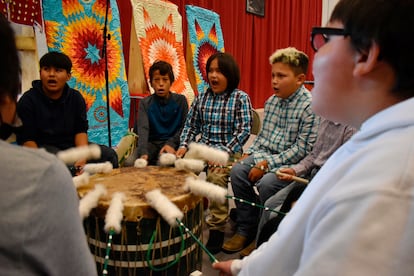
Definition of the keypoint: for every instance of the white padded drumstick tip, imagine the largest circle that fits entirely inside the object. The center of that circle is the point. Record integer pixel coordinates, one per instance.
(193, 165)
(72, 155)
(90, 200)
(167, 159)
(140, 163)
(81, 180)
(114, 214)
(206, 189)
(205, 152)
(168, 210)
(105, 167)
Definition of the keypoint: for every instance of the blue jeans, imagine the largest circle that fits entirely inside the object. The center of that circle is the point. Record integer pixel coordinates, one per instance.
(247, 215)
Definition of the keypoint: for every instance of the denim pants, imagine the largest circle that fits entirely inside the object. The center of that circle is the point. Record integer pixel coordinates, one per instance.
(247, 215)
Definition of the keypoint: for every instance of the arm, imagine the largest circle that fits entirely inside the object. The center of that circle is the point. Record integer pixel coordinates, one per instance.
(174, 141)
(261, 136)
(81, 126)
(81, 139)
(143, 127)
(331, 136)
(349, 236)
(26, 112)
(302, 144)
(191, 126)
(243, 123)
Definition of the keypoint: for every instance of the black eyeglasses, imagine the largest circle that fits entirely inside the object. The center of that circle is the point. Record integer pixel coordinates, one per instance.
(320, 36)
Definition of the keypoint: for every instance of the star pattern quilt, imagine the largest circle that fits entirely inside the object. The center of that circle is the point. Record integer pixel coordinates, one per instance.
(206, 38)
(158, 26)
(75, 27)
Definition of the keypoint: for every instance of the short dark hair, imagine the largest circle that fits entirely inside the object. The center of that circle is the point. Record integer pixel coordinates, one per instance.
(10, 84)
(57, 60)
(164, 68)
(228, 67)
(390, 25)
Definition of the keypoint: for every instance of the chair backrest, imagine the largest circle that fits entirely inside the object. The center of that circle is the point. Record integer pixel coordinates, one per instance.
(257, 124)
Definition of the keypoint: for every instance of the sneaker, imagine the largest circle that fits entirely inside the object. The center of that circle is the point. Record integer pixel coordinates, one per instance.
(235, 244)
(215, 241)
(246, 251)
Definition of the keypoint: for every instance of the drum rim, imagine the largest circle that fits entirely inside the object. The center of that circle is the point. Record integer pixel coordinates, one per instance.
(135, 211)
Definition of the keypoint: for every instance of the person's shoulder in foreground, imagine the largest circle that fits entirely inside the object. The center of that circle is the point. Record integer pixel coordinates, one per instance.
(357, 215)
(40, 228)
(40, 211)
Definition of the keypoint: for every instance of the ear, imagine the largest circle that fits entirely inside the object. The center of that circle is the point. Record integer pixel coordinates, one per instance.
(69, 75)
(366, 62)
(300, 78)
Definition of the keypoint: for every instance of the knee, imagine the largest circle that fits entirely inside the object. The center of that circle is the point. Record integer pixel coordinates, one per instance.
(108, 154)
(268, 186)
(238, 171)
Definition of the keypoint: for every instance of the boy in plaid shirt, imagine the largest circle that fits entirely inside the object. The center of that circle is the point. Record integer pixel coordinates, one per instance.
(288, 133)
(221, 116)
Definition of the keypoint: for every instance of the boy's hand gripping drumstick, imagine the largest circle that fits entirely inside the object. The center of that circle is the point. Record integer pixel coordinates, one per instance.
(294, 178)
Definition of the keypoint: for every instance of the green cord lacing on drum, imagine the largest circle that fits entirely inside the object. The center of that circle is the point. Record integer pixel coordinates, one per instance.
(148, 255)
(108, 249)
(211, 256)
(255, 205)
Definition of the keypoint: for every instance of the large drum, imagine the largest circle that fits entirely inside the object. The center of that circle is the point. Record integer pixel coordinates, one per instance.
(147, 245)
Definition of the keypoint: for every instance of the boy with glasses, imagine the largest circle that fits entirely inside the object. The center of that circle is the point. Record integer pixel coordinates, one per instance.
(357, 215)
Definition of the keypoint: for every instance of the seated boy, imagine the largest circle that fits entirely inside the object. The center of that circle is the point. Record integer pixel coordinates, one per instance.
(287, 136)
(54, 115)
(161, 117)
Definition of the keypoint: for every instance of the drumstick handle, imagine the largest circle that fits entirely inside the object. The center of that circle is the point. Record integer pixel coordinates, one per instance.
(211, 256)
(294, 178)
(108, 249)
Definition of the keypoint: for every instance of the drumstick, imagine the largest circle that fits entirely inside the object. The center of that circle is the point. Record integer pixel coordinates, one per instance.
(90, 200)
(167, 159)
(113, 220)
(114, 214)
(164, 207)
(81, 180)
(170, 212)
(140, 163)
(206, 189)
(105, 167)
(193, 165)
(294, 178)
(72, 155)
(217, 193)
(205, 152)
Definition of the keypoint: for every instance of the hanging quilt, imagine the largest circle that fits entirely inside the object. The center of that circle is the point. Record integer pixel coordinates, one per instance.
(158, 27)
(26, 12)
(206, 38)
(75, 27)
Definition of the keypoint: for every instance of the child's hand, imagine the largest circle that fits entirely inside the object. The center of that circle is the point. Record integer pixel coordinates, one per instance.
(223, 267)
(181, 152)
(286, 174)
(255, 174)
(167, 149)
